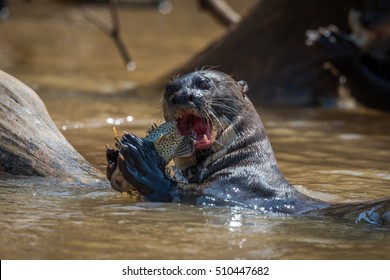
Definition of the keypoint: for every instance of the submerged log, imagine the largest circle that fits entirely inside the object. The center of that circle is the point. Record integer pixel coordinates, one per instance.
(30, 143)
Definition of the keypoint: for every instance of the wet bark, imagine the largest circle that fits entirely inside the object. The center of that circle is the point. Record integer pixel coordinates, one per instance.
(267, 49)
(30, 143)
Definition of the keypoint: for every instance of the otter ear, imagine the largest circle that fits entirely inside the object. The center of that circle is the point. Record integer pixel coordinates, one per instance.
(243, 87)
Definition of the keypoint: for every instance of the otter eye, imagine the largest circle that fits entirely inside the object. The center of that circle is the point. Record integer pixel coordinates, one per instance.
(203, 83)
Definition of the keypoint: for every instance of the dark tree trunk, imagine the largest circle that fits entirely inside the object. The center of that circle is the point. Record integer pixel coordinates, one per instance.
(267, 49)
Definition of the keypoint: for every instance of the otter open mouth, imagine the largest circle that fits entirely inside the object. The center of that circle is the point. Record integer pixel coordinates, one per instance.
(198, 129)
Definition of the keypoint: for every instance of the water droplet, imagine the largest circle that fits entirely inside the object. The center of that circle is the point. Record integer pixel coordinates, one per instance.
(165, 7)
(131, 66)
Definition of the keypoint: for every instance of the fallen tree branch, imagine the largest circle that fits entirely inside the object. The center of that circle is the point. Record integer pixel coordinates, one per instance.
(221, 11)
(113, 31)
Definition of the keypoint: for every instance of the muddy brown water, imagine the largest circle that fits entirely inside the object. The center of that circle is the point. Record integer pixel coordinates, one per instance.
(86, 90)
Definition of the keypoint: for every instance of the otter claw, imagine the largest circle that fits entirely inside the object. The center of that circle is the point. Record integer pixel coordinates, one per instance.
(116, 134)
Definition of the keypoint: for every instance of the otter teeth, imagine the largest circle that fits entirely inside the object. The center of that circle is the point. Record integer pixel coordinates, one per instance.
(205, 139)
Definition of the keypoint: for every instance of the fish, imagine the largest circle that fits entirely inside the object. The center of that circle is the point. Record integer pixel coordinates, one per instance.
(168, 142)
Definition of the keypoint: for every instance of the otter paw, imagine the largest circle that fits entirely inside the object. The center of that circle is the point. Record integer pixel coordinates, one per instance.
(112, 159)
(144, 169)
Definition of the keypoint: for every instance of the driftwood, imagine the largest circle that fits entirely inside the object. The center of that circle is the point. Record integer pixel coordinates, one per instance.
(30, 143)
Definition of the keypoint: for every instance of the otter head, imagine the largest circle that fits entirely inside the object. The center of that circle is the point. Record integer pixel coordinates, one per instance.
(204, 103)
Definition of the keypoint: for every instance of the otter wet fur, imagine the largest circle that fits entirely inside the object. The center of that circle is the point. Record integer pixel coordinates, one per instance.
(233, 163)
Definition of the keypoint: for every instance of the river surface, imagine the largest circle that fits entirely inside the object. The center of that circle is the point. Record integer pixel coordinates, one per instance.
(80, 77)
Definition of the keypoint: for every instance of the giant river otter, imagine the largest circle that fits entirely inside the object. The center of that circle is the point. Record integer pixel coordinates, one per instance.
(232, 164)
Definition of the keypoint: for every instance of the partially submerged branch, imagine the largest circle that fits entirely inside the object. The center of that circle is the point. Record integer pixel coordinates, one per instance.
(113, 31)
(221, 11)
(4, 10)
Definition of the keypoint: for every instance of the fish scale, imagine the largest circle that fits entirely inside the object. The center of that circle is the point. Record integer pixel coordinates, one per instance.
(168, 141)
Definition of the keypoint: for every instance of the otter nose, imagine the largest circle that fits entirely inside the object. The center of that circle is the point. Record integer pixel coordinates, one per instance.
(182, 98)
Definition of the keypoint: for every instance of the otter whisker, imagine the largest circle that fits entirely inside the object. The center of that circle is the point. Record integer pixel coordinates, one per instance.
(215, 116)
(228, 108)
(209, 67)
(220, 143)
(176, 76)
(204, 116)
(225, 81)
(226, 97)
(232, 124)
